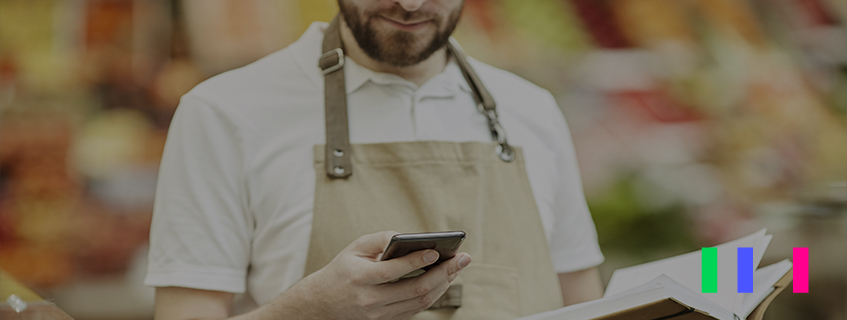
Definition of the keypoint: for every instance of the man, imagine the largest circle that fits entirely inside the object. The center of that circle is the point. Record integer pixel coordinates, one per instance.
(261, 190)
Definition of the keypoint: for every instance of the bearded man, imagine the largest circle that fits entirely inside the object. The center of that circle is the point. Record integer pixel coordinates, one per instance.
(283, 179)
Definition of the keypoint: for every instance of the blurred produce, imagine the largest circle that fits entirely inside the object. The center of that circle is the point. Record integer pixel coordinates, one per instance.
(695, 121)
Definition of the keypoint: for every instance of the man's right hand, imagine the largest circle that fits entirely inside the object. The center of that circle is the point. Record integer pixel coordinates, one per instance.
(355, 285)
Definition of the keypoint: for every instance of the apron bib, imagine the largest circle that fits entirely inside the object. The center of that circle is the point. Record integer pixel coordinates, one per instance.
(426, 186)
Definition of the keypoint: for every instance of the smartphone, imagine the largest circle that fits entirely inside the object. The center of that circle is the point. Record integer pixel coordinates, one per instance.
(446, 243)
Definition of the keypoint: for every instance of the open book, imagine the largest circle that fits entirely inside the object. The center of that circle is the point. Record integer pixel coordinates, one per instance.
(671, 289)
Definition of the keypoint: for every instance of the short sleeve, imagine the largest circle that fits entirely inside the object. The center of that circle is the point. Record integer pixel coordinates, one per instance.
(573, 244)
(200, 233)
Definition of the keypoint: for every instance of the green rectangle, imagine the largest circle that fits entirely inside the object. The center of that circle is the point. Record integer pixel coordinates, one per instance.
(710, 270)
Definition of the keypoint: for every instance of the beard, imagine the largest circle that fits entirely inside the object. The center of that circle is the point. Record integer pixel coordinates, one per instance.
(397, 47)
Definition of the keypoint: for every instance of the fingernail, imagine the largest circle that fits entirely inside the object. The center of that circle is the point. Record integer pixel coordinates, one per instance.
(464, 261)
(430, 257)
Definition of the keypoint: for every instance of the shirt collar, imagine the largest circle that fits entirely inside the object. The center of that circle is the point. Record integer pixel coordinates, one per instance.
(307, 49)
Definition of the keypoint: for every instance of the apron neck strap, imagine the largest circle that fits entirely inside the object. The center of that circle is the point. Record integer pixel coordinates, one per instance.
(337, 151)
(483, 99)
(484, 102)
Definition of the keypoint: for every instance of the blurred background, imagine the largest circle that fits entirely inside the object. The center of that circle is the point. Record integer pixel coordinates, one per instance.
(695, 122)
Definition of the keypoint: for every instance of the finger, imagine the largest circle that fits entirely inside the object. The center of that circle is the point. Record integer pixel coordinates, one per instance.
(371, 245)
(385, 271)
(420, 302)
(440, 275)
(448, 269)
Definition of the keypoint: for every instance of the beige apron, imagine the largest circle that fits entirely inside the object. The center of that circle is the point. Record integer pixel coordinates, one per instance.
(428, 186)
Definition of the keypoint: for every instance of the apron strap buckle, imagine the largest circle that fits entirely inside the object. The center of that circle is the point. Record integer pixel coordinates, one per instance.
(503, 150)
(327, 64)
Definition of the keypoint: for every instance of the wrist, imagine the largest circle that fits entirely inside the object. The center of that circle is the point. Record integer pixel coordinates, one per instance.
(300, 301)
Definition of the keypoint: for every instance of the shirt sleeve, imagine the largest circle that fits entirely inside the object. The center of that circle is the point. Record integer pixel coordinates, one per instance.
(200, 233)
(573, 244)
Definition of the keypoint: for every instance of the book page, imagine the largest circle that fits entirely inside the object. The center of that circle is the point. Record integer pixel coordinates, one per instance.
(758, 253)
(763, 281)
(634, 297)
(687, 268)
(650, 292)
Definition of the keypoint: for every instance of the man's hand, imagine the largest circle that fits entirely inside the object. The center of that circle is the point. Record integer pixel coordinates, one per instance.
(355, 285)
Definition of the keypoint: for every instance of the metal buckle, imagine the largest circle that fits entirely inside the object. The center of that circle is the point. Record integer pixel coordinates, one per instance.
(503, 149)
(339, 54)
(499, 133)
(490, 114)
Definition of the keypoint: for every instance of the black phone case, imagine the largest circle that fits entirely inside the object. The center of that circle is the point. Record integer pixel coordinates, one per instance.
(446, 243)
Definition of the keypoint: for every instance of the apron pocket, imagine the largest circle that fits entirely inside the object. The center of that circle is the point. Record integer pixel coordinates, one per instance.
(488, 292)
(491, 291)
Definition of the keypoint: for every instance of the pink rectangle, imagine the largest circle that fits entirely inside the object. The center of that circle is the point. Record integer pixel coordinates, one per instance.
(801, 270)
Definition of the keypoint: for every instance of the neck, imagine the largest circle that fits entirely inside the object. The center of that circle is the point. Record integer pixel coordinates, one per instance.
(417, 74)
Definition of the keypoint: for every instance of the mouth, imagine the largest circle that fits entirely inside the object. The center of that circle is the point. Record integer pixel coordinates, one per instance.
(409, 26)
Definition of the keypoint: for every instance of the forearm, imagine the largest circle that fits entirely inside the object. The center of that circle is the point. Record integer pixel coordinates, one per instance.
(291, 304)
(178, 303)
(351, 286)
(580, 286)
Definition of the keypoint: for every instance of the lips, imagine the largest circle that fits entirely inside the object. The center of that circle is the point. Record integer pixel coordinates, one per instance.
(406, 26)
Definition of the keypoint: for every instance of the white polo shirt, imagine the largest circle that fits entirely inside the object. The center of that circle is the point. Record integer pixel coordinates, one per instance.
(234, 200)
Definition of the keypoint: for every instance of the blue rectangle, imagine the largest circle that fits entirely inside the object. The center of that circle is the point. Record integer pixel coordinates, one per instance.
(745, 270)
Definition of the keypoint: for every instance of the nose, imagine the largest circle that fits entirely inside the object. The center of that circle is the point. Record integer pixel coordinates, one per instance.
(411, 5)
